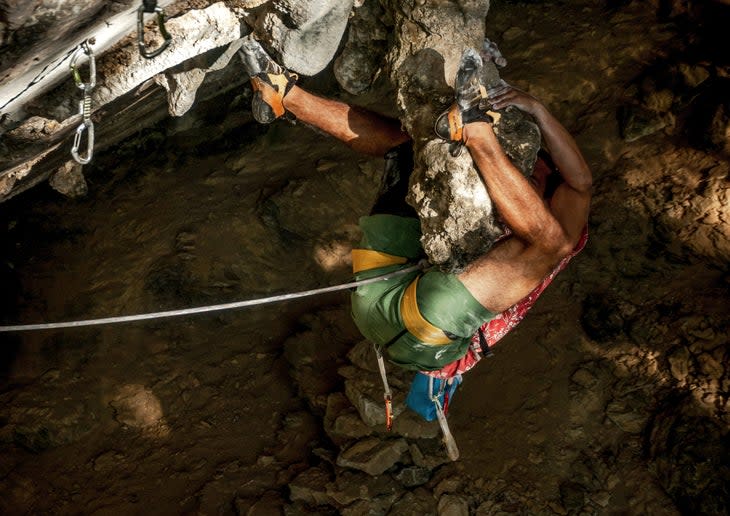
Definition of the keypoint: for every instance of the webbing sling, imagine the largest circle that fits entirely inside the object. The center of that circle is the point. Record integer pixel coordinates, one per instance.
(366, 259)
(416, 324)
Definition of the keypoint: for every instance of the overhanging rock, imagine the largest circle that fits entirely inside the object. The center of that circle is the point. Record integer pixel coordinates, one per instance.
(304, 34)
(416, 43)
(427, 39)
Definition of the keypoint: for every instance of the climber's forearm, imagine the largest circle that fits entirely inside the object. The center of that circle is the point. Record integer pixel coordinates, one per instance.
(517, 201)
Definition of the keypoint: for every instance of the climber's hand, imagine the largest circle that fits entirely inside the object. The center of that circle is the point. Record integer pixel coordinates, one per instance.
(506, 95)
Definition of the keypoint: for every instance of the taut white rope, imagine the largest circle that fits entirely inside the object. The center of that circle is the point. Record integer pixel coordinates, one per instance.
(209, 308)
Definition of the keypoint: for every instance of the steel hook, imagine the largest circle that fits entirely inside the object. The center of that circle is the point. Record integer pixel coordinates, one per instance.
(150, 6)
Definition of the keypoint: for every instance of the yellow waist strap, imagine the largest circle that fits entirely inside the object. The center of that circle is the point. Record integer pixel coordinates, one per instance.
(366, 259)
(414, 321)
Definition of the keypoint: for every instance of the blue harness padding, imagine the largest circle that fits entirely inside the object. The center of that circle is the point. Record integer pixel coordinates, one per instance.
(419, 397)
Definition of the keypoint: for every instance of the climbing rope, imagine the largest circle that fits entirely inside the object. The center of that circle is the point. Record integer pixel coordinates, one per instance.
(209, 308)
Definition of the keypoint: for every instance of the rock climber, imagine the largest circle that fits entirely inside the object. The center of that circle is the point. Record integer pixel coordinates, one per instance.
(438, 322)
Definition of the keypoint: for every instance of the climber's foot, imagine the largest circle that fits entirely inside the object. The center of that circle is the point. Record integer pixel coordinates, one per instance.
(271, 82)
(470, 105)
(490, 52)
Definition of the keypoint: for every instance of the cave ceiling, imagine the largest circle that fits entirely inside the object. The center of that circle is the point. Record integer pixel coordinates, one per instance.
(42, 115)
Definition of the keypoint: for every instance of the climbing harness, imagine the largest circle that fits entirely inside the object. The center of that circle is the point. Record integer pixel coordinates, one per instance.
(210, 308)
(150, 6)
(85, 103)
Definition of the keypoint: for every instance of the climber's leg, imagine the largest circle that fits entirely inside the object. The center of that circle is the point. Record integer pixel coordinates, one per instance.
(362, 130)
(276, 94)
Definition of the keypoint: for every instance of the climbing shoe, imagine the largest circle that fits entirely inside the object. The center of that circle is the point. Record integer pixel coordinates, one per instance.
(490, 52)
(471, 104)
(270, 81)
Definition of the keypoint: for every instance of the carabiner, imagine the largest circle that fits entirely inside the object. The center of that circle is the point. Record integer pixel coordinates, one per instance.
(87, 125)
(84, 48)
(150, 6)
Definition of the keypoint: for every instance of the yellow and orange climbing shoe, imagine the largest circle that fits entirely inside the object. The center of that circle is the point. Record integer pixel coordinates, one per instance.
(471, 100)
(271, 82)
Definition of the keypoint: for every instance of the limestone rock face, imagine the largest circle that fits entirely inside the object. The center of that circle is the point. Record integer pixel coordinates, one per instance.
(450, 198)
(34, 79)
(458, 220)
(367, 42)
(417, 45)
(306, 33)
(428, 38)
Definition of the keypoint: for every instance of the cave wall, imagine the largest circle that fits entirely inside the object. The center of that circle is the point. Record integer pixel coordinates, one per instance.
(416, 45)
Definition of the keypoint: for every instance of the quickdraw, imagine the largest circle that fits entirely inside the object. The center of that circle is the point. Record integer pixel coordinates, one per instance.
(85, 103)
(150, 6)
(451, 449)
(449, 442)
(387, 394)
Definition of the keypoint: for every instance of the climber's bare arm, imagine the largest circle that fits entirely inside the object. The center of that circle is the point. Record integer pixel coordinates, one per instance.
(362, 130)
(542, 233)
(510, 270)
(570, 202)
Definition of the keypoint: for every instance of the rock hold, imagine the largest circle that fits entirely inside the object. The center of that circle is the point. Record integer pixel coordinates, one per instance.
(69, 180)
(183, 81)
(361, 57)
(365, 392)
(679, 363)
(373, 456)
(363, 356)
(625, 417)
(429, 454)
(413, 476)
(419, 501)
(583, 377)
(305, 33)
(310, 487)
(457, 216)
(349, 426)
(458, 219)
(351, 486)
(453, 505)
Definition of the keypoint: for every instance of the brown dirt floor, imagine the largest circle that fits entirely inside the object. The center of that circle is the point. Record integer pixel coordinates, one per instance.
(187, 415)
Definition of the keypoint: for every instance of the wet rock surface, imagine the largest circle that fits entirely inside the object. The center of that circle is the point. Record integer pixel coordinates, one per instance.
(611, 397)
